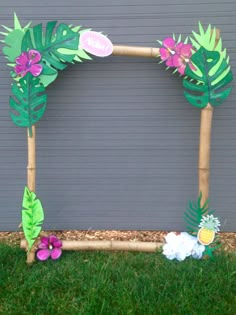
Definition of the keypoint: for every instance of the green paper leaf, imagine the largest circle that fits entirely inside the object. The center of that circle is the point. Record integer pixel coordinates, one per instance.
(32, 216)
(13, 44)
(29, 102)
(48, 44)
(194, 214)
(207, 40)
(206, 88)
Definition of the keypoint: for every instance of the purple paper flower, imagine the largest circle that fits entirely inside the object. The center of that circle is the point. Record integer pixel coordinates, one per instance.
(182, 57)
(28, 62)
(49, 247)
(168, 51)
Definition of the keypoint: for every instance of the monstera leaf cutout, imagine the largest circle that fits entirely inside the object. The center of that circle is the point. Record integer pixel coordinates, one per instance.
(32, 216)
(49, 45)
(28, 103)
(205, 89)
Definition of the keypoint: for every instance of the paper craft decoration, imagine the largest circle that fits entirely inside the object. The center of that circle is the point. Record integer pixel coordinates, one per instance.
(32, 216)
(195, 217)
(96, 44)
(49, 247)
(37, 56)
(209, 225)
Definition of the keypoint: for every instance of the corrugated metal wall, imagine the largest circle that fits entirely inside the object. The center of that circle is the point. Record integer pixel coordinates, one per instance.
(118, 145)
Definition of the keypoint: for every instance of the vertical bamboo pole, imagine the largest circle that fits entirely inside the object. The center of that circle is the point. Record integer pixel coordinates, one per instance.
(205, 146)
(204, 152)
(31, 176)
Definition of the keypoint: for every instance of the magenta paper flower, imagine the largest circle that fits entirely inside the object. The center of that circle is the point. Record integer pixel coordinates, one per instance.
(168, 51)
(182, 57)
(28, 62)
(49, 247)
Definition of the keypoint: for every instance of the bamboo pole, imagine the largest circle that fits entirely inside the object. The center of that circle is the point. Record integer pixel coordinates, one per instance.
(134, 51)
(204, 152)
(31, 167)
(106, 246)
(31, 177)
(205, 147)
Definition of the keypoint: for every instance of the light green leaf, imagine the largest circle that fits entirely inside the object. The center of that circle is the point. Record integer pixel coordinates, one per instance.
(32, 216)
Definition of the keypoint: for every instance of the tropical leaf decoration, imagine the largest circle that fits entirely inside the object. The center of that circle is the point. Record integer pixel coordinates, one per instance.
(28, 102)
(194, 214)
(193, 217)
(13, 39)
(48, 44)
(32, 216)
(204, 88)
(208, 40)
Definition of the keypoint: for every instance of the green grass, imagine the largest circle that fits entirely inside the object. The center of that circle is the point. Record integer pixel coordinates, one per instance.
(91, 283)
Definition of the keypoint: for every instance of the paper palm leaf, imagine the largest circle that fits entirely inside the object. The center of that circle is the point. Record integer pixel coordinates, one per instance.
(49, 45)
(32, 216)
(13, 39)
(208, 40)
(194, 214)
(208, 88)
(28, 102)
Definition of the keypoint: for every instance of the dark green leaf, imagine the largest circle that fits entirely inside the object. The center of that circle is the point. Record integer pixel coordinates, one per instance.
(28, 102)
(210, 87)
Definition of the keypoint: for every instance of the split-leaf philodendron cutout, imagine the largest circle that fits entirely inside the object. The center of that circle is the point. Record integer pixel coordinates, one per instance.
(36, 56)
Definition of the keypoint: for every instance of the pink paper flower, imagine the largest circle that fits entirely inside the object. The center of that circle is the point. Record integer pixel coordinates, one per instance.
(49, 247)
(28, 62)
(168, 51)
(182, 57)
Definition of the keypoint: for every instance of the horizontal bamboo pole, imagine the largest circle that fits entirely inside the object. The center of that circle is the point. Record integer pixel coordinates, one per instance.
(135, 51)
(106, 246)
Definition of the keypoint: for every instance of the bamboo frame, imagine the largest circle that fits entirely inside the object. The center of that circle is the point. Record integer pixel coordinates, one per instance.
(203, 168)
(135, 51)
(149, 247)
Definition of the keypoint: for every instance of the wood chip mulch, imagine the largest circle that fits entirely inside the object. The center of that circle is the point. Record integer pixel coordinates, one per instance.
(228, 239)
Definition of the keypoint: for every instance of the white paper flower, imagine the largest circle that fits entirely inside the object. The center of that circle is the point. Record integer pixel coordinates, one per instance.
(181, 246)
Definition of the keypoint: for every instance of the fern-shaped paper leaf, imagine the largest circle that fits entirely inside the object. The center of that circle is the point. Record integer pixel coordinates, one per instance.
(32, 216)
(28, 103)
(209, 90)
(194, 214)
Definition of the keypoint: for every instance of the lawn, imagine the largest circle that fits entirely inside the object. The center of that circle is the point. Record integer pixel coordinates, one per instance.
(91, 283)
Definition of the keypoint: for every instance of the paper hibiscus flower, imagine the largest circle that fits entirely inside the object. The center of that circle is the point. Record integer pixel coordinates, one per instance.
(181, 246)
(28, 62)
(49, 247)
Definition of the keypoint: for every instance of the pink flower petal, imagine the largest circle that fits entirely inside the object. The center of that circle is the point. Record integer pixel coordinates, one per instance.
(178, 47)
(43, 254)
(19, 69)
(57, 244)
(177, 61)
(36, 69)
(165, 54)
(181, 69)
(169, 62)
(42, 246)
(185, 50)
(56, 253)
(169, 42)
(52, 239)
(45, 240)
(22, 59)
(34, 56)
